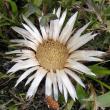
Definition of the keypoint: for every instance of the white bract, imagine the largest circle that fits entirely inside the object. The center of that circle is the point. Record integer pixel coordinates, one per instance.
(52, 53)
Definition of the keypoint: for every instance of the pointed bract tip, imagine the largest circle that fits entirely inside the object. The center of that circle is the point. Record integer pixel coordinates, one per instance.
(16, 85)
(76, 13)
(83, 86)
(92, 74)
(89, 23)
(13, 27)
(24, 17)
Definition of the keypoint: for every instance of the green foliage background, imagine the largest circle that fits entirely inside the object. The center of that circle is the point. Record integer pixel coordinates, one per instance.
(97, 93)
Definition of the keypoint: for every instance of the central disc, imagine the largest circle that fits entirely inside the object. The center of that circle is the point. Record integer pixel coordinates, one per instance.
(52, 55)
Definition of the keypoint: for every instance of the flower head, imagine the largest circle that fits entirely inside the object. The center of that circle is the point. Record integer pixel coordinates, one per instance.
(52, 53)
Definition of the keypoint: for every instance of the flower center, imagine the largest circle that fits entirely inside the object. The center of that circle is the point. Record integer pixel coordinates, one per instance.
(52, 55)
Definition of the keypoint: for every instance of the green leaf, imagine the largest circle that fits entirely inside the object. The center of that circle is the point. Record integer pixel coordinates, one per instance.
(81, 93)
(100, 82)
(13, 7)
(4, 24)
(37, 2)
(50, 3)
(107, 11)
(100, 70)
(30, 9)
(13, 107)
(45, 19)
(51, 16)
(67, 3)
(69, 105)
(104, 100)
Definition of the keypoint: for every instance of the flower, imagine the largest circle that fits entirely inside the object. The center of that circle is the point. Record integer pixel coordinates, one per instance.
(52, 53)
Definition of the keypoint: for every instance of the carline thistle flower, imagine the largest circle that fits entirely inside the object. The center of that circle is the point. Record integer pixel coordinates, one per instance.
(53, 53)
